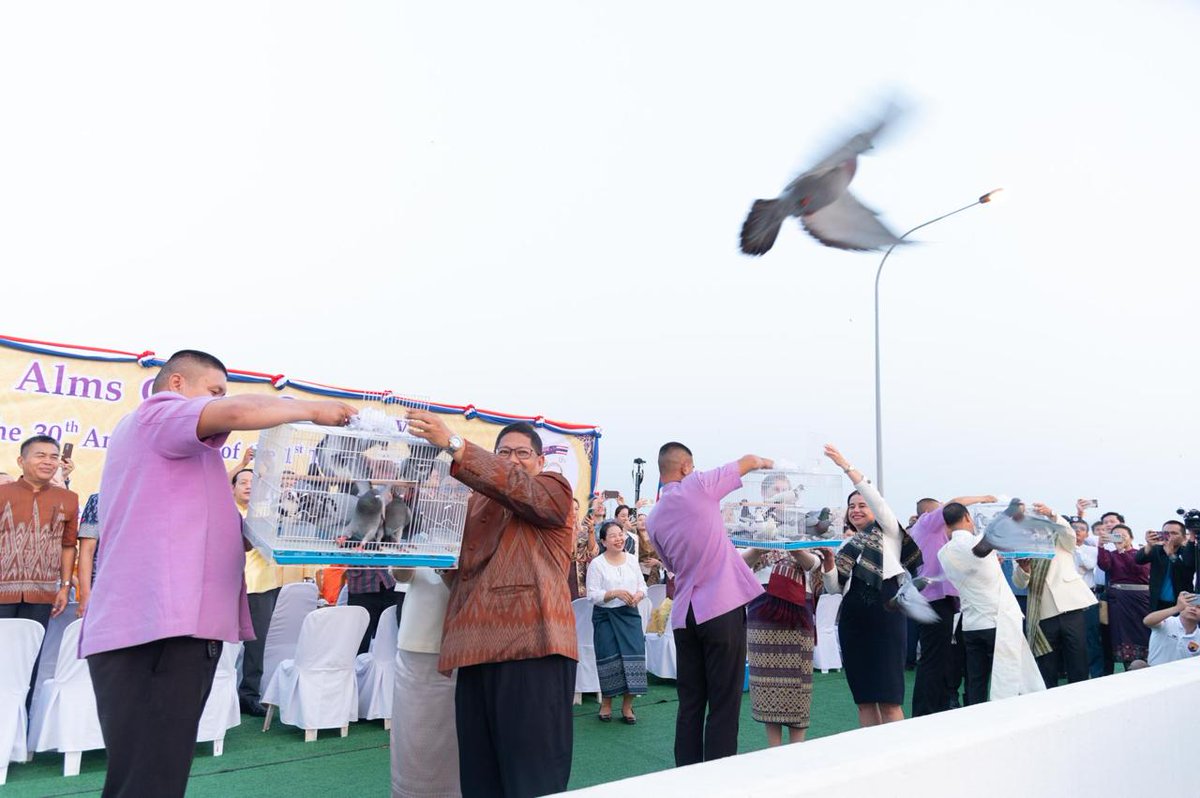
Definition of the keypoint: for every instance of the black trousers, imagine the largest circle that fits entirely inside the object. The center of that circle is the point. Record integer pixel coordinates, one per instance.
(710, 664)
(940, 666)
(33, 612)
(150, 698)
(375, 603)
(1067, 635)
(515, 727)
(980, 647)
(262, 607)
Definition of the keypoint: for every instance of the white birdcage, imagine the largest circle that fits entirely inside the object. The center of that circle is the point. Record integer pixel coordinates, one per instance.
(358, 497)
(785, 509)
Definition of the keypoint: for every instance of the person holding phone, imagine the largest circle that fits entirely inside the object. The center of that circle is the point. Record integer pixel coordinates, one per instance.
(1175, 630)
(38, 530)
(1172, 563)
(1128, 595)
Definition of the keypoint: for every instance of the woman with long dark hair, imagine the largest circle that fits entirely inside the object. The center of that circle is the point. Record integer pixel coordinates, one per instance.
(870, 566)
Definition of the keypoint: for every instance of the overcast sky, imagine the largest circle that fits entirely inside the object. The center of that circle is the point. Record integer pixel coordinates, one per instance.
(535, 207)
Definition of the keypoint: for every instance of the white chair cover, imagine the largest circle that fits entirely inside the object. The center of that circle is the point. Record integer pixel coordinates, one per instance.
(295, 602)
(317, 689)
(222, 712)
(660, 654)
(20, 639)
(657, 595)
(54, 633)
(64, 717)
(827, 656)
(376, 671)
(587, 680)
(645, 608)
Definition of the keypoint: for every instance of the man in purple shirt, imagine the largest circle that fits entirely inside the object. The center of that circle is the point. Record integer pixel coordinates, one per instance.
(172, 587)
(942, 662)
(712, 587)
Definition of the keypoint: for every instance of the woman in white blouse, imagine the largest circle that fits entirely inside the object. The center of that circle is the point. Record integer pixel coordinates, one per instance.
(870, 567)
(615, 585)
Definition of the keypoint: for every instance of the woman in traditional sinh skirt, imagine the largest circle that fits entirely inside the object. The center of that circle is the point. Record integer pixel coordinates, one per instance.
(616, 587)
(1128, 595)
(780, 637)
(424, 736)
(868, 571)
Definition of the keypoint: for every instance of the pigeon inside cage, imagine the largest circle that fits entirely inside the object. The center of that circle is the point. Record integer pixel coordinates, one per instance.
(782, 505)
(337, 495)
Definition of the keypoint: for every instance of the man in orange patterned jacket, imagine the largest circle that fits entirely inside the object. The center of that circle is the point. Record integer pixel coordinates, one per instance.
(510, 629)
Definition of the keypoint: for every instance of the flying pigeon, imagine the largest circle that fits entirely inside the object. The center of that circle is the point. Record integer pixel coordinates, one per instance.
(819, 198)
(908, 599)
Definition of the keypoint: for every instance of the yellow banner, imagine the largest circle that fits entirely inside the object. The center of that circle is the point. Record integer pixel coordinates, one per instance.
(78, 399)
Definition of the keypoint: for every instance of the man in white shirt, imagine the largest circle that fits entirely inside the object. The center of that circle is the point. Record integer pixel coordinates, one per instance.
(1086, 554)
(997, 653)
(1174, 631)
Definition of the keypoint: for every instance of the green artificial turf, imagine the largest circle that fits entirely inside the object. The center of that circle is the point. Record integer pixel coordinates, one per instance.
(280, 763)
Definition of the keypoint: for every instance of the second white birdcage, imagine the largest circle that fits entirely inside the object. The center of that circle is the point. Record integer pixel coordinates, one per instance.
(335, 495)
(785, 509)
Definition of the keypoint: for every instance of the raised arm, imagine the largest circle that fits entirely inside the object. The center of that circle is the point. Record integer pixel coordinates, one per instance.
(883, 513)
(1158, 616)
(543, 500)
(753, 462)
(262, 412)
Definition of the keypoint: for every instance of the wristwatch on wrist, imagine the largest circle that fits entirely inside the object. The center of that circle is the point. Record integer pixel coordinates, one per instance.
(456, 443)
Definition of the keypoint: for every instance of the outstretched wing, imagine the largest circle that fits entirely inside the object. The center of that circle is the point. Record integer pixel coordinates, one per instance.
(858, 143)
(846, 223)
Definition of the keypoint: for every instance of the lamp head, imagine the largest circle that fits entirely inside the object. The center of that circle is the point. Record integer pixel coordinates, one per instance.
(991, 195)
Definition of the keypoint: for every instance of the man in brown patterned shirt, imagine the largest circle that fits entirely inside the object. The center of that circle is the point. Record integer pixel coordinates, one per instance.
(38, 525)
(509, 628)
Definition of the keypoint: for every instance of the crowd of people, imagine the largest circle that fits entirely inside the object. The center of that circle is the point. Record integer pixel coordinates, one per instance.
(487, 652)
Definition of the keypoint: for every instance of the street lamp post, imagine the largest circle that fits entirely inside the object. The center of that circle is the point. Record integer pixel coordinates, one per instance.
(986, 198)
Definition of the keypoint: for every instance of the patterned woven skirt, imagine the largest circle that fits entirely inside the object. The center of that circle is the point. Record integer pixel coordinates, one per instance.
(1126, 609)
(780, 668)
(620, 650)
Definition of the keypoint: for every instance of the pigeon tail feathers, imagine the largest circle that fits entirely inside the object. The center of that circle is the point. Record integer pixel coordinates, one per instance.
(762, 226)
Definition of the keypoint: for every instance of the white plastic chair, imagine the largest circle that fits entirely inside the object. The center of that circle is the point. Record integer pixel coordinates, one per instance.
(294, 604)
(376, 672)
(343, 596)
(657, 595)
(20, 640)
(64, 716)
(587, 680)
(317, 689)
(221, 712)
(827, 656)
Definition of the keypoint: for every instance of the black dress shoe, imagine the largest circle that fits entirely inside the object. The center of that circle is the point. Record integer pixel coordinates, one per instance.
(254, 708)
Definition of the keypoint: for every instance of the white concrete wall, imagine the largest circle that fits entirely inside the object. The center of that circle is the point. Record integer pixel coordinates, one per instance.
(1083, 739)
